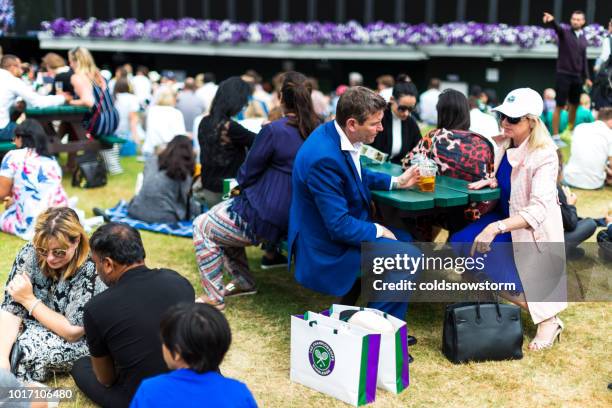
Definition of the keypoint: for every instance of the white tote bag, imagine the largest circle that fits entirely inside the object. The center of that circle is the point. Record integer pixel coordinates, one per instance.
(393, 372)
(339, 361)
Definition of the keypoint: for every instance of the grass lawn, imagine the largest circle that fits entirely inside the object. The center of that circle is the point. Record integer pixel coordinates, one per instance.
(573, 373)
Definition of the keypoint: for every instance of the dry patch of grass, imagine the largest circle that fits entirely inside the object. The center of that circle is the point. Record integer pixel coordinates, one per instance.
(573, 373)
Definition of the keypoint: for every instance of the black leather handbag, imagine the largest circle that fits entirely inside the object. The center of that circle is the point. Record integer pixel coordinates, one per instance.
(475, 331)
(90, 171)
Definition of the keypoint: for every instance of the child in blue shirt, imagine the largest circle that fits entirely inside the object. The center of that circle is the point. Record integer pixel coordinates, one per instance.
(195, 338)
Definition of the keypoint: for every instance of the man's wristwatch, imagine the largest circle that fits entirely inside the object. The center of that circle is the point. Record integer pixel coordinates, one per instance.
(501, 227)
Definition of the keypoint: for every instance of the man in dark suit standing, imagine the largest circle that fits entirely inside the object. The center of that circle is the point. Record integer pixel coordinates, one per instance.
(330, 212)
(572, 67)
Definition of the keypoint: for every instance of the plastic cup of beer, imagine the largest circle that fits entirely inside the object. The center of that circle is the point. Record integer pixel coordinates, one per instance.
(59, 87)
(427, 181)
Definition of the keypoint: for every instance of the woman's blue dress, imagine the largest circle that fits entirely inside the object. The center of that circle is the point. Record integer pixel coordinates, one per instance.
(499, 262)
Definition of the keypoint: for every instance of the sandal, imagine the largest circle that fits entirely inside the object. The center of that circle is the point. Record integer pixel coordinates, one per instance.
(232, 289)
(537, 345)
(205, 299)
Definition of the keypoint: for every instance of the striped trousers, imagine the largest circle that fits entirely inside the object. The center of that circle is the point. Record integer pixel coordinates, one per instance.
(220, 241)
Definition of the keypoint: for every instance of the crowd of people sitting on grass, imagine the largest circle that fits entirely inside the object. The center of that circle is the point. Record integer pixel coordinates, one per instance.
(92, 308)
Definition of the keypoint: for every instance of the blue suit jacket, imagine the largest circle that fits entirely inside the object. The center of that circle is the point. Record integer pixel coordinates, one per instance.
(330, 213)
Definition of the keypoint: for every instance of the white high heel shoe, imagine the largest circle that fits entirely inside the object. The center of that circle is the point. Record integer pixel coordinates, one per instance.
(537, 344)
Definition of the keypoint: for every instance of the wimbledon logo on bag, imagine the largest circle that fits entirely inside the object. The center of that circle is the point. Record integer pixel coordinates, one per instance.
(321, 357)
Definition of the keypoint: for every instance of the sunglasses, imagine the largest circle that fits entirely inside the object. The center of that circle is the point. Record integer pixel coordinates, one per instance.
(509, 119)
(404, 108)
(57, 253)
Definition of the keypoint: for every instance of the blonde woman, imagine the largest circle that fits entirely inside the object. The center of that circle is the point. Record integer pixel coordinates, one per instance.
(41, 317)
(527, 218)
(91, 90)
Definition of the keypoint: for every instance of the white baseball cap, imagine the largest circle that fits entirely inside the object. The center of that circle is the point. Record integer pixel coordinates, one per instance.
(521, 102)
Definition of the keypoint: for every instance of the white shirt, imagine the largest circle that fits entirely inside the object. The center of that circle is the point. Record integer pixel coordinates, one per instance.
(591, 148)
(484, 124)
(163, 123)
(207, 93)
(12, 88)
(347, 146)
(354, 149)
(142, 88)
(125, 103)
(386, 93)
(396, 135)
(427, 106)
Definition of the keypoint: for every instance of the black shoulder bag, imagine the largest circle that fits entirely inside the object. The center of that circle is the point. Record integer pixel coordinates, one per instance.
(481, 331)
(90, 171)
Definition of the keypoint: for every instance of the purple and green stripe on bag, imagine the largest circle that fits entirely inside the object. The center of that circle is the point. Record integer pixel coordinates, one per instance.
(401, 359)
(369, 368)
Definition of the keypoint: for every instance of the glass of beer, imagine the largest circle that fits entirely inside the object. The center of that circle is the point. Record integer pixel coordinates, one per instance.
(427, 181)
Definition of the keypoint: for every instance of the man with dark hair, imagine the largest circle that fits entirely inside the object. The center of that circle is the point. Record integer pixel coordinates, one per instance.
(12, 88)
(331, 212)
(122, 327)
(572, 67)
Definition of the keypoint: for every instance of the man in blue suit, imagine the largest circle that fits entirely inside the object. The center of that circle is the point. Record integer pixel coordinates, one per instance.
(330, 209)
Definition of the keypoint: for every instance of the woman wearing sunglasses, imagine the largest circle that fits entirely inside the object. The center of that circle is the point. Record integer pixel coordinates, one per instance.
(30, 181)
(400, 130)
(41, 316)
(527, 218)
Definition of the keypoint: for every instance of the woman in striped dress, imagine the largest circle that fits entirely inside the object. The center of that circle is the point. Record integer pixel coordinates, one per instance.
(92, 91)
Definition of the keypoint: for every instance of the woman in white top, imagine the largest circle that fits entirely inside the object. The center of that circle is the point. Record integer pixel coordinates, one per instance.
(128, 106)
(164, 122)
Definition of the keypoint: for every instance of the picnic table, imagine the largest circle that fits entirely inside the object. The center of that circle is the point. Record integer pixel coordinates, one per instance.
(71, 123)
(6, 146)
(449, 192)
(70, 118)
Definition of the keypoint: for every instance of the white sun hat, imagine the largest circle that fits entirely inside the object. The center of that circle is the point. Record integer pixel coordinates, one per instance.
(521, 102)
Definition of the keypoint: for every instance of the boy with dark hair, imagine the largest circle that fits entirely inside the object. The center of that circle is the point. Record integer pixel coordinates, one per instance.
(195, 338)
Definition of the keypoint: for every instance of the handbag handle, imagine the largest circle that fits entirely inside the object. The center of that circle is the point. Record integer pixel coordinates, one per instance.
(497, 308)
